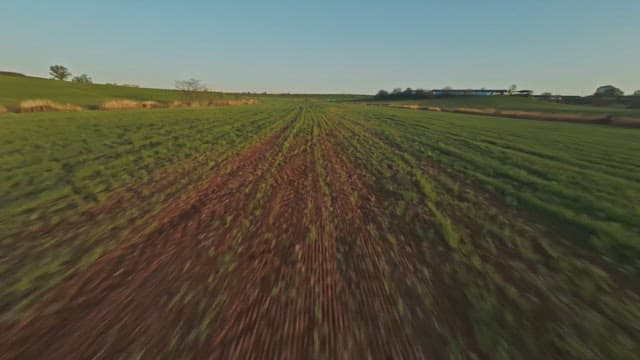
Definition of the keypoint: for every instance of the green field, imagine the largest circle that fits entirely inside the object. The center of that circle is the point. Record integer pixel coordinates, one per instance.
(515, 103)
(56, 165)
(14, 89)
(453, 235)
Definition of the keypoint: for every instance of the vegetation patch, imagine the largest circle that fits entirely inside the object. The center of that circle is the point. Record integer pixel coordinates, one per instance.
(120, 104)
(43, 105)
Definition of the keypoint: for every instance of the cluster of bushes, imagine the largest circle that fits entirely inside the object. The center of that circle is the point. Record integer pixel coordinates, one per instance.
(406, 94)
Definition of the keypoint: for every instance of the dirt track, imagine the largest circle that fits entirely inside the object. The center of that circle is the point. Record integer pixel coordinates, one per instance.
(284, 253)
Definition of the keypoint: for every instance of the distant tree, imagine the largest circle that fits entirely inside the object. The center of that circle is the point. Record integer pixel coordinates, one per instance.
(608, 90)
(420, 93)
(396, 91)
(512, 89)
(59, 72)
(637, 93)
(407, 93)
(192, 89)
(382, 94)
(547, 94)
(82, 79)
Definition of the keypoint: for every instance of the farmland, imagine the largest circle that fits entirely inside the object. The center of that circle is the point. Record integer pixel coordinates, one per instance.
(516, 103)
(301, 228)
(14, 89)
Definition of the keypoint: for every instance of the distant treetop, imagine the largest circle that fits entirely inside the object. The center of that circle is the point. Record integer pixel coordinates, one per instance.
(82, 79)
(608, 90)
(59, 72)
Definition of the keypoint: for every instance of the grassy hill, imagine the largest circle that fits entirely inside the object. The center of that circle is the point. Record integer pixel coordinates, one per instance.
(14, 89)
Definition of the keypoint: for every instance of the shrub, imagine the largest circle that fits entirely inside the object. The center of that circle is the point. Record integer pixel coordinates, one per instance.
(3, 110)
(39, 105)
(82, 79)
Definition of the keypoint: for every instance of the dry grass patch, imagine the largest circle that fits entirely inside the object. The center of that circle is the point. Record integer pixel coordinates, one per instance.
(626, 121)
(487, 111)
(199, 104)
(176, 104)
(407, 106)
(42, 105)
(233, 102)
(120, 104)
(150, 105)
(555, 116)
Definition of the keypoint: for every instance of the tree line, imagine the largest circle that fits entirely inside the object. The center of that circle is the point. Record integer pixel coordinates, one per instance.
(411, 94)
(60, 72)
(406, 94)
(192, 89)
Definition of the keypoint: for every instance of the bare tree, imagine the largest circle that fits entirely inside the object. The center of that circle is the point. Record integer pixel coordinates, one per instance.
(512, 89)
(59, 72)
(192, 89)
(382, 94)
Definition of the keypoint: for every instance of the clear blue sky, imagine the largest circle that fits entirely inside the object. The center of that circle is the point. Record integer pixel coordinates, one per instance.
(563, 46)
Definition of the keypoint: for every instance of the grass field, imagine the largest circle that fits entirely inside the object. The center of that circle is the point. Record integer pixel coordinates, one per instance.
(516, 103)
(14, 89)
(303, 228)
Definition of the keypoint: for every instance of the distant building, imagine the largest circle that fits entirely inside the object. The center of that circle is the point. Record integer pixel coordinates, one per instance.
(526, 93)
(468, 92)
(478, 92)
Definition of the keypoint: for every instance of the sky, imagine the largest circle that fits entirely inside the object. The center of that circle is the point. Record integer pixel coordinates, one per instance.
(561, 46)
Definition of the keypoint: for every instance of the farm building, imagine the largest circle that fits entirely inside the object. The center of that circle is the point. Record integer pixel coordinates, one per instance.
(468, 92)
(523, 93)
(480, 92)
